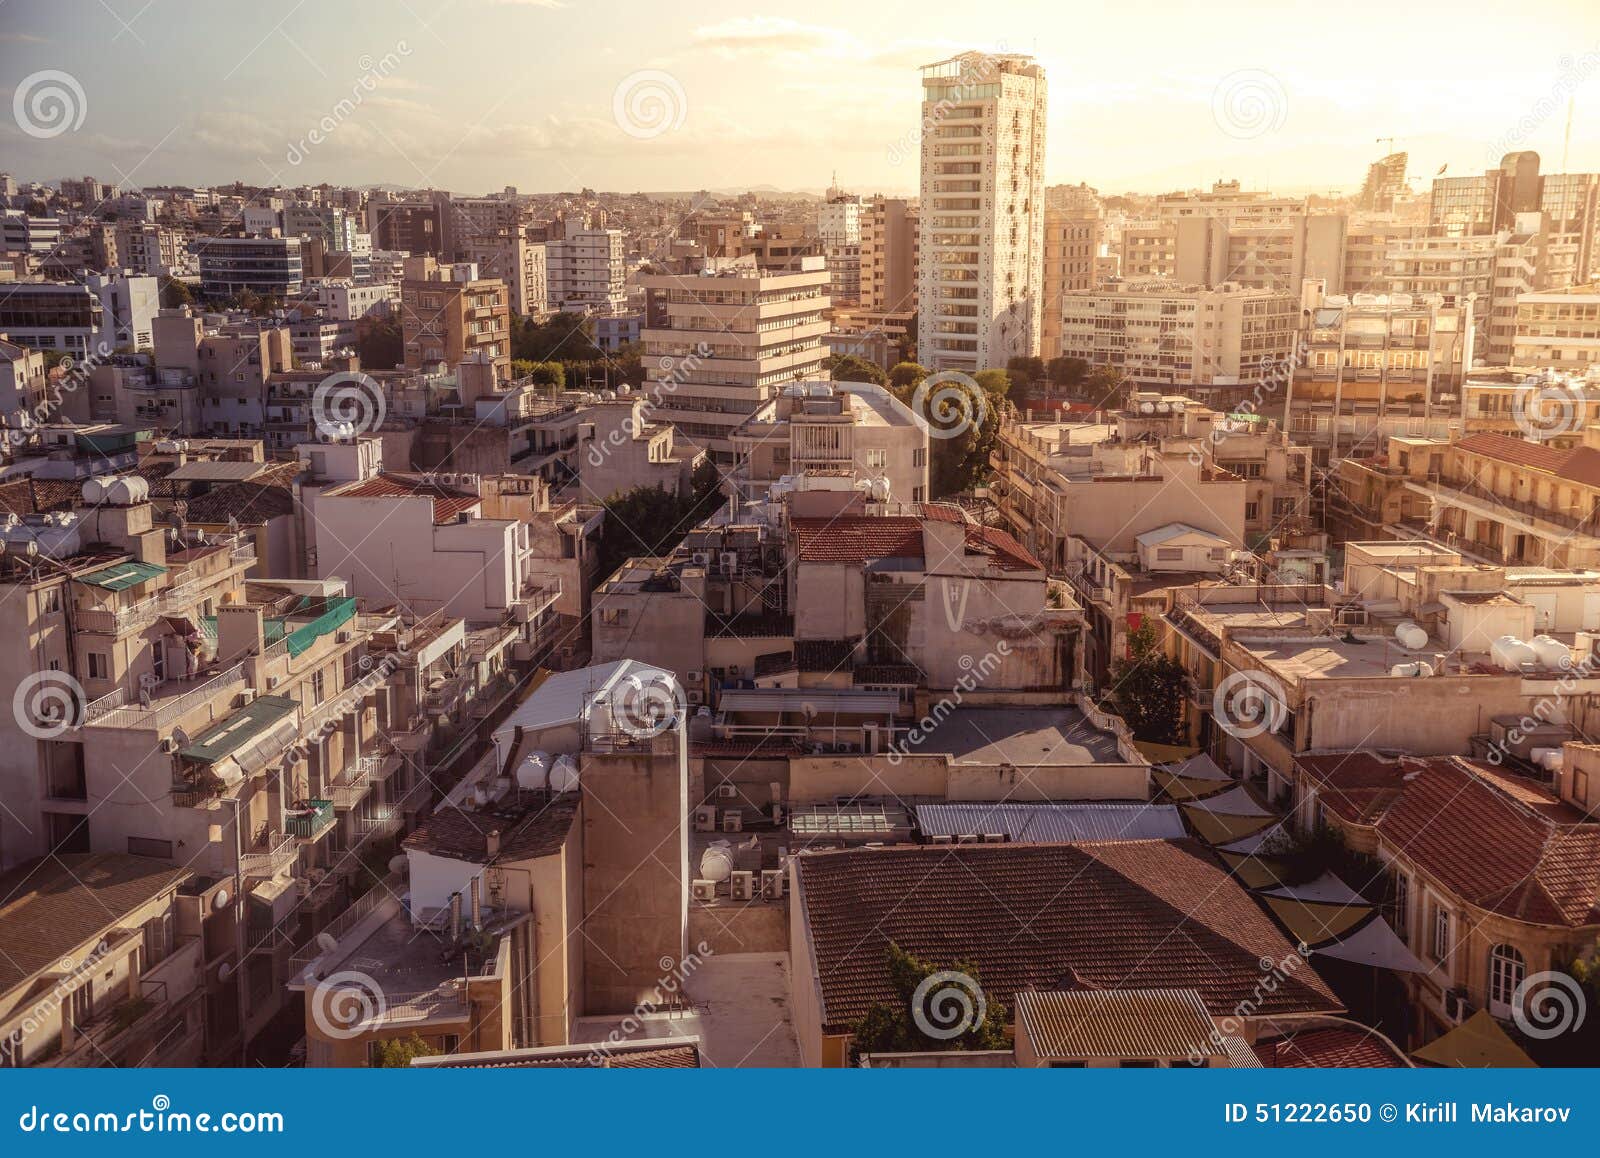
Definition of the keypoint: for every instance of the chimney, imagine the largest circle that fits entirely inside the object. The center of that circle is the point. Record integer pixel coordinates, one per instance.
(477, 904)
(492, 841)
(455, 916)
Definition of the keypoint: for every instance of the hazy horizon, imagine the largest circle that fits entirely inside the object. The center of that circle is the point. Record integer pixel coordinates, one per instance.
(558, 95)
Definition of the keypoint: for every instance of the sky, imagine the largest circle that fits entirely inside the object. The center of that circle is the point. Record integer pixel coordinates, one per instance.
(625, 95)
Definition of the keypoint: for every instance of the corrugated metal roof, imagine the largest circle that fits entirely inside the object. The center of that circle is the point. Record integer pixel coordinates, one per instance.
(264, 716)
(1048, 823)
(1133, 1024)
(223, 471)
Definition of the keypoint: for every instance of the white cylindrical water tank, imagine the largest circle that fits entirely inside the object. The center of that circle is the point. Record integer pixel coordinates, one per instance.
(717, 863)
(94, 491)
(1552, 652)
(1547, 758)
(1409, 635)
(533, 774)
(564, 775)
(1417, 670)
(1511, 653)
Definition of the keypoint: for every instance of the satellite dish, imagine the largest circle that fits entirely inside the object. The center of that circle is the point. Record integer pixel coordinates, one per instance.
(223, 970)
(180, 737)
(327, 942)
(220, 900)
(398, 863)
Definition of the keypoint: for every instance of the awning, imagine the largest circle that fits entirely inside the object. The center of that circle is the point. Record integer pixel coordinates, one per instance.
(1326, 888)
(1375, 944)
(254, 736)
(1254, 872)
(1314, 924)
(1200, 767)
(1218, 829)
(1181, 788)
(1236, 801)
(121, 576)
(1256, 841)
(1164, 753)
(1476, 1043)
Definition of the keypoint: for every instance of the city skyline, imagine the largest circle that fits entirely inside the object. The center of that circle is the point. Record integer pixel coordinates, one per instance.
(732, 100)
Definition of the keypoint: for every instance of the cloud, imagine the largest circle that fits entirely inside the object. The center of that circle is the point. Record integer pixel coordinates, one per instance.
(766, 36)
(21, 38)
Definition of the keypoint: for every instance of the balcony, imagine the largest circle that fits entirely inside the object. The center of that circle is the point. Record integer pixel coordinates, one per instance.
(272, 854)
(163, 703)
(316, 818)
(349, 791)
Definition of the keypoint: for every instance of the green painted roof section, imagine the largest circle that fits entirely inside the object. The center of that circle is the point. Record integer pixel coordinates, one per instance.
(272, 630)
(228, 736)
(121, 576)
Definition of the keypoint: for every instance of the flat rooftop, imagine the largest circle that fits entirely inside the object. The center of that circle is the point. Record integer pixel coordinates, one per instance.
(1023, 736)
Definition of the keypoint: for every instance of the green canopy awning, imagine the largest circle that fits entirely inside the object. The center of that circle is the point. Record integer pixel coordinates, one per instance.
(1476, 1043)
(121, 576)
(237, 734)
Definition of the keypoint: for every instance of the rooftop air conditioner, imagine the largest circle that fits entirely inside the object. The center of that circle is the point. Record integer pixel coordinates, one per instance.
(705, 818)
(704, 890)
(744, 886)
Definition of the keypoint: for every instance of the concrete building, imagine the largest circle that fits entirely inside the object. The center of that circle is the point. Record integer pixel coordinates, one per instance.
(621, 447)
(823, 427)
(980, 285)
(1160, 334)
(586, 273)
(1558, 329)
(1071, 249)
(344, 300)
(268, 266)
(445, 318)
(735, 334)
(97, 316)
(890, 236)
(520, 263)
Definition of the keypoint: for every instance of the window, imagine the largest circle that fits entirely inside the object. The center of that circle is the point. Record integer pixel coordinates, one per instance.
(614, 616)
(877, 459)
(317, 687)
(1506, 970)
(1441, 933)
(149, 846)
(1169, 554)
(157, 940)
(50, 601)
(99, 665)
(1251, 511)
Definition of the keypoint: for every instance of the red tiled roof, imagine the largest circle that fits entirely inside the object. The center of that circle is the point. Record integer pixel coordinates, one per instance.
(1327, 1047)
(942, 512)
(1580, 464)
(1143, 914)
(1505, 845)
(1004, 552)
(447, 504)
(530, 826)
(857, 538)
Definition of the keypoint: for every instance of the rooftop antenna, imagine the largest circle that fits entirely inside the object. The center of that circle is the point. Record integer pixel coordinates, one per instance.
(1566, 143)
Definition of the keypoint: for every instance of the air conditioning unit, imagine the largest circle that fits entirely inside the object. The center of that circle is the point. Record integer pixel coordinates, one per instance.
(1456, 1006)
(703, 890)
(772, 884)
(246, 697)
(777, 813)
(994, 838)
(705, 818)
(695, 677)
(943, 838)
(728, 562)
(702, 558)
(522, 612)
(726, 791)
(344, 637)
(732, 821)
(273, 681)
(695, 696)
(969, 838)
(744, 885)
(168, 744)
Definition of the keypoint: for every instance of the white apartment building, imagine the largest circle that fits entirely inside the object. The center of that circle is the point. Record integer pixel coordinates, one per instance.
(114, 312)
(343, 300)
(586, 272)
(522, 264)
(1559, 329)
(1160, 333)
(733, 335)
(981, 279)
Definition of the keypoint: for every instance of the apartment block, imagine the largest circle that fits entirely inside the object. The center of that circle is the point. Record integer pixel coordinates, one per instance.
(981, 275)
(1071, 252)
(890, 235)
(586, 272)
(267, 266)
(1161, 334)
(1558, 329)
(734, 334)
(96, 316)
(445, 319)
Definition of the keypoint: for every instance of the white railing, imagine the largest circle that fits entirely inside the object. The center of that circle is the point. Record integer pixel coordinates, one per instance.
(269, 861)
(122, 709)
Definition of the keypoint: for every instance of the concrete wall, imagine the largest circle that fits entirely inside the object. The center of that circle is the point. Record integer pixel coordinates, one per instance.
(819, 779)
(636, 881)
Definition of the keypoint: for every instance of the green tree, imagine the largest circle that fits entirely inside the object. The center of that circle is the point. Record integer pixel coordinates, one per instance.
(175, 293)
(1025, 370)
(1067, 372)
(549, 374)
(1147, 688)
(849, 368)
(380, 344)
(648, 521)
(894, 1028)
(396, 1053)
(906, 376)
(1106, 386)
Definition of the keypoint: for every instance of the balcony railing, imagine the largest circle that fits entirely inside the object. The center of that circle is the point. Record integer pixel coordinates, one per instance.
(279, 851)
(350, 791)
(309, 827)
(168, 701)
